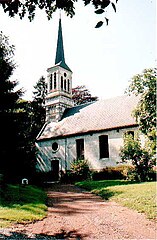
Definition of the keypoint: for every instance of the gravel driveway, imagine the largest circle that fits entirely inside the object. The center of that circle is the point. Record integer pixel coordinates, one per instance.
(77, 214)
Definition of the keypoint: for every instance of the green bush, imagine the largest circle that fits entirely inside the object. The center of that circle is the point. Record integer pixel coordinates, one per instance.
(111, 173)
(142, 158)
(79, 171)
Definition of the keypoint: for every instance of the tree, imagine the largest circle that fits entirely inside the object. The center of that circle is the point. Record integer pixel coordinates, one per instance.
(22, 8)
(38, 105)
(20, 120)
(142, 158)
(8, 107)
(144, 85)
(81, 94)
(40, 92)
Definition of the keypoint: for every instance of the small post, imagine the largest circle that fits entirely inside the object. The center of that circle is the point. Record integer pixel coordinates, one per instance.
(24, 182)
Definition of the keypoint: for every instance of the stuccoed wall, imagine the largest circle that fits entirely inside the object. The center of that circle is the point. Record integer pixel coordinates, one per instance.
(67, 150)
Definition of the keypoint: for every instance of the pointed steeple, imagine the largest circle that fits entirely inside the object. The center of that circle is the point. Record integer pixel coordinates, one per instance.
(59, 84)
(60, 59)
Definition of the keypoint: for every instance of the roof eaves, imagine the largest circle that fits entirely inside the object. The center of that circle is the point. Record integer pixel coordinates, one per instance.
(86, 132)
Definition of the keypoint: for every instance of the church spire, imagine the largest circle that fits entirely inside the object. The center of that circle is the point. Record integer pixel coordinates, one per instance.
(60, 59)
(60, 47)
(59, 84)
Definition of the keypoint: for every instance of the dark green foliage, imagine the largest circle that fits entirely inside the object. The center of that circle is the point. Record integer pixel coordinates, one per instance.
(8, 108)
(99, 24)
(99, 11)
(79, 171)
(142, 158)
(108, 173)
(81, 95)
(20, 122)
(144, 85)
(40, 91)
(38, 109)
(23, 8)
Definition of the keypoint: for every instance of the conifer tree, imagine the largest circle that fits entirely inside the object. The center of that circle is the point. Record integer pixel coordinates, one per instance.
(8, 107)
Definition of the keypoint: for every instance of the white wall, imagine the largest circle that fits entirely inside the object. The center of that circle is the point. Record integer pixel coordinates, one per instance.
(67, 150)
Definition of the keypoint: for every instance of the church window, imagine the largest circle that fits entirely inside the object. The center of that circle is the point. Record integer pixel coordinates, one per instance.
(80, 149)
(55, 147)
(55, 83)
(50, 82)
(65, 74)
(68, 85)
(61, 83)
(103, 146)
(65, 85)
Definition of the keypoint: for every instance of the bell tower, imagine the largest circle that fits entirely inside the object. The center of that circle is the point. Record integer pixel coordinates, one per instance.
(59, 84)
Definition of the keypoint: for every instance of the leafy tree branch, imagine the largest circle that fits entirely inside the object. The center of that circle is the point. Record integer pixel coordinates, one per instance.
(28, 7)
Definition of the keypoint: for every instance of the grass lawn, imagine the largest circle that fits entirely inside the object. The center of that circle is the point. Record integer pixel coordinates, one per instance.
(138, 196)
(20, 204)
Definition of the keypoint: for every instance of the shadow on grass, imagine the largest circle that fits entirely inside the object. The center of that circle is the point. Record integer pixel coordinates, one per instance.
(91, 185)
(106, 193)
(100, 187)
(60, 235)
(14, 195)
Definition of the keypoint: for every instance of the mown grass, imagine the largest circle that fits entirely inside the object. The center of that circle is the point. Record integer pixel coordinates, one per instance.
(137, 196)
(21, 204)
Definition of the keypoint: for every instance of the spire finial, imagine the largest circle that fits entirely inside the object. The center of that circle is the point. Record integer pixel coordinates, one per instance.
(60, 14)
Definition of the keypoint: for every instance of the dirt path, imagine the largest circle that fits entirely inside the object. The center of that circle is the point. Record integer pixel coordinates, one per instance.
(76, 214)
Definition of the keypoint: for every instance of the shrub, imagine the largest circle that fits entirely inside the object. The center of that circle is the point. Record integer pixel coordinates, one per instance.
(141, 158)
(111, 173)
(79, 171)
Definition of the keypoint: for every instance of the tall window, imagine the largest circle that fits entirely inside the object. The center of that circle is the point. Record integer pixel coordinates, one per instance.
(61, 83)
(50, 82)
(68, 85)
(55, 83)
(80, 149)
(103, 146)
(65, 85)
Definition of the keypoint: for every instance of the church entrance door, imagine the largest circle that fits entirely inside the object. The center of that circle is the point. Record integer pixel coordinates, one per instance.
(55, 170)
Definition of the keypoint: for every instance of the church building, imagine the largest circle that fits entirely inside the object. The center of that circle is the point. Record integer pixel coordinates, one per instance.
(92, 131)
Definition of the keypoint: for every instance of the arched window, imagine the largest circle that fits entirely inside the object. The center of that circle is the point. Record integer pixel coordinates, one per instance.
(68, 85)
(55, 83)
(61, 83)
(50, 82)
(65, 84)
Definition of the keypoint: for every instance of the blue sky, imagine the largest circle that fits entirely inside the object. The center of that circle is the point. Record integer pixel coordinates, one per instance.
(103, 59)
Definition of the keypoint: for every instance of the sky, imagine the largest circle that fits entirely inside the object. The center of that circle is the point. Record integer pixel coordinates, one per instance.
(103, 59)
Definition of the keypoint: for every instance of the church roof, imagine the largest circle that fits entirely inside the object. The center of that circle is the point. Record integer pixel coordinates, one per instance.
(96, 116)
(60, 59)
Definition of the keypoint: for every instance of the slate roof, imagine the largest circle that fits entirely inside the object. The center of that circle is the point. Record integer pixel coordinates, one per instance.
(105, 114)
(60, 59)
